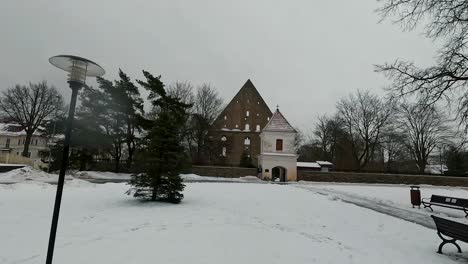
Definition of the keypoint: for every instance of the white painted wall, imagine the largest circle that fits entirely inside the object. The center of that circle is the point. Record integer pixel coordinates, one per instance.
(270, 157)
(268, 162)
(17, 144)
(269, 142)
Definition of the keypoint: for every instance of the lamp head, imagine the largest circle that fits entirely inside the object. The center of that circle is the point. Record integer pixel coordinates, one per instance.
(78, 68)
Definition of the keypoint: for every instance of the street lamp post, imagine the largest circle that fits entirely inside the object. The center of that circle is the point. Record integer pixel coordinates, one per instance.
(50, 148)
(78, 68)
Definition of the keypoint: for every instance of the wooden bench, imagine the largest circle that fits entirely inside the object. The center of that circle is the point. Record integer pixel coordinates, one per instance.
(454, 230)
(448, 202)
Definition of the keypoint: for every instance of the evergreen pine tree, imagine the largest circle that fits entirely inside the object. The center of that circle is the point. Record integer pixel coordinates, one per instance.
(161, 180)
(128, 106)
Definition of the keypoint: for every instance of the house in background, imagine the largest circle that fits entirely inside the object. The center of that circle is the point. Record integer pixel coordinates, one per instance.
(325, 165)
(12, 139)
(308, 166)
(319, 165)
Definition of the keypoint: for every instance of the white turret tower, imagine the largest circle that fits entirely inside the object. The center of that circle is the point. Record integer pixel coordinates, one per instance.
(278, 158)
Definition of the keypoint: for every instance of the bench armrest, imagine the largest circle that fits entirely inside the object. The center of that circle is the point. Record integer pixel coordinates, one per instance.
(425, 199)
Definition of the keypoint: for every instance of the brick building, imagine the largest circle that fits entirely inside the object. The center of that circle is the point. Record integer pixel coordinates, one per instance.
(236, 130)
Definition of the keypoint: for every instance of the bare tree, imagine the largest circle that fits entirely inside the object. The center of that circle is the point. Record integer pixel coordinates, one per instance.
(207, 107)
(425, 127)
(392, 143)
(183, 91)
(29, 106)
(326, 135)
(364, 116)
(447, 79)
(208, 102)
(298, 140)
(321, 135)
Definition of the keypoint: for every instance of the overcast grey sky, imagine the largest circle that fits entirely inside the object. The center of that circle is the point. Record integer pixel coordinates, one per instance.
(303, 55)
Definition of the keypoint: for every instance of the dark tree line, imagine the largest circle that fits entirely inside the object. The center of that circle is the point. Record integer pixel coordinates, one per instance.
(111, 124)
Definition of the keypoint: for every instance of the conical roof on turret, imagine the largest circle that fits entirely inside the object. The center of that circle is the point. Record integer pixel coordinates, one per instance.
(278, 123)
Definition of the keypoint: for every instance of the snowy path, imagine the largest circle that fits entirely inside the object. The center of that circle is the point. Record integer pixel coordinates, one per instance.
(376, 205)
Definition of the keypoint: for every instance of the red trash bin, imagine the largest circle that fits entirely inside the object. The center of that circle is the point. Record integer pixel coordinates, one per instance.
(415, 194)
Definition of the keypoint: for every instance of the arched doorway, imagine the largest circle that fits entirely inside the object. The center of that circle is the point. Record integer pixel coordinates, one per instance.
(279, 173)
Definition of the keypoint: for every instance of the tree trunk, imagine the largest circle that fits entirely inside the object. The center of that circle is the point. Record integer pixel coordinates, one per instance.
(26, 144)
(154, 195)
(83, 161)
(130, 146)
(117, 155)
(421, 167)
(131, 150)
(199, 148)
(117, 164)
(389, 165)
(358, 162)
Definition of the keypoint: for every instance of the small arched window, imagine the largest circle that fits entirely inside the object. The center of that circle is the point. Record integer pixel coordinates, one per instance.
(224, 138)
(225, 117)
(247, 113)
(237, 126)
(247, 141)
(268, 119)
(247, 127)
(258, 128)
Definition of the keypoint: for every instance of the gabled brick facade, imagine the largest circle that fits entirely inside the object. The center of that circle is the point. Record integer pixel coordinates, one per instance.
(238, 127)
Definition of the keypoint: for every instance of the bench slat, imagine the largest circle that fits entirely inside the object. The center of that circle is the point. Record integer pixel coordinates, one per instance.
(451, 229)
(446, 205)
(453, 201)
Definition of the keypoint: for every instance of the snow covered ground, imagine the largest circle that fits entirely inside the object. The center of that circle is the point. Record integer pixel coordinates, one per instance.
(391, 199)
(215, 223)
(99, 175)
(30, 174)
(102, 175)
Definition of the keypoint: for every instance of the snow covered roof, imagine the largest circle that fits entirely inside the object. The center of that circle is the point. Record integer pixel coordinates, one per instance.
(324, 163)
(278, 154)
(15, 129)
(309, 165)
(278, 123)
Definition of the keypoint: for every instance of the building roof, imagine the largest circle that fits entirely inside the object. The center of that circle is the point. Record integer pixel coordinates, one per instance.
(14, 129)
(309, 165)
(324, 163)
(278, 123)
(246, 99)
(278, 154)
